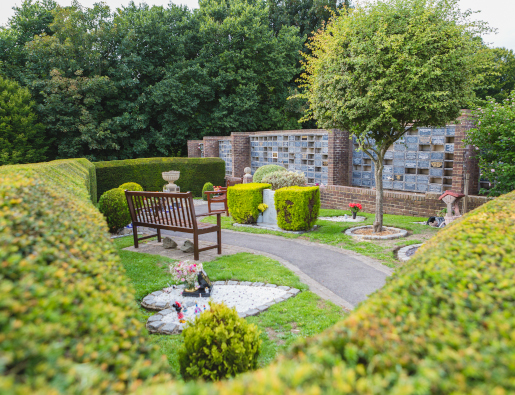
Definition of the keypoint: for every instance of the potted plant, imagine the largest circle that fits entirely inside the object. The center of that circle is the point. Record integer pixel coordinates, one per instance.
(355, 208)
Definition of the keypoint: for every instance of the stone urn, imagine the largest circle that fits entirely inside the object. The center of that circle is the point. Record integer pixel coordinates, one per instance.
(171, 177)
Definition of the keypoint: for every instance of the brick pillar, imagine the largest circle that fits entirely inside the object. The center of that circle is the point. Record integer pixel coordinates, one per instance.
(240, 153)
(464, 157)
(211, 146)
(193, 149)
(340, 149)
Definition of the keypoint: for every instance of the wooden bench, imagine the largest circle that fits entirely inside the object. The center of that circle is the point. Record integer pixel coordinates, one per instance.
(170, 211)
(219, 196)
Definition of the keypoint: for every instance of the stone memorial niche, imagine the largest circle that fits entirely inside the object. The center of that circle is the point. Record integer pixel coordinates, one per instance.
(205, 287)
(451, 199)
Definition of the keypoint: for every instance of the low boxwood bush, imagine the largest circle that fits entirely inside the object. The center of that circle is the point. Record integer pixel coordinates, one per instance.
(283, 179)
(131, 186)
(297, 207)
(113, 204)
(264, 170)
(218, 345)
(69, 323)
(207, 187)
(243, 201)
(195, 172)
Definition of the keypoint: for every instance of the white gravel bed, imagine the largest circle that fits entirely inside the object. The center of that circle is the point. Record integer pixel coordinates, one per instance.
(343, 218)
(248, 298)
(243, 297)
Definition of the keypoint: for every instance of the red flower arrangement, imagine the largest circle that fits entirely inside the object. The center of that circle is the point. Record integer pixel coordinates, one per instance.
(355, 207)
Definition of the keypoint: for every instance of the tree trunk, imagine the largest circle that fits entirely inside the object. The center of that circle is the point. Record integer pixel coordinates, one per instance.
(378, 221)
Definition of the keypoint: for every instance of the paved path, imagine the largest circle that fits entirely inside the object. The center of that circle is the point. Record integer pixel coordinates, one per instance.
(341, 276)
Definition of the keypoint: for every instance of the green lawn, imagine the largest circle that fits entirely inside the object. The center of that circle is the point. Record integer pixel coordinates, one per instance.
(331, 233)
(303, 315)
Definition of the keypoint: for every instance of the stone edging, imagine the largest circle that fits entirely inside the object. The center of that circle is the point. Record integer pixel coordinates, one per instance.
(155, 325)
(401, 233)
(401, 254)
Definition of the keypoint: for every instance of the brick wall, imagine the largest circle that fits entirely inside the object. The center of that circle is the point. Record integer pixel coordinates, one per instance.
(211, 147)
(193, 149)
(399, 203)
(464, 158)
(240, 153)
(340, 156)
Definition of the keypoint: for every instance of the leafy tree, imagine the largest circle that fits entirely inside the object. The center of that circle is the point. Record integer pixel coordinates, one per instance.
(500, 81)
(31, 18)
(20, 134)
(389, 67)
(494, 139)
(307, 15)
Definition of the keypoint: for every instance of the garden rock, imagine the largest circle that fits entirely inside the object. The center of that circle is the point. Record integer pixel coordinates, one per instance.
(187, 247)
(169, 243)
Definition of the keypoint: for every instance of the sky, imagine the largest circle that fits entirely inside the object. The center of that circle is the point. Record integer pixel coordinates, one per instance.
(498, 13)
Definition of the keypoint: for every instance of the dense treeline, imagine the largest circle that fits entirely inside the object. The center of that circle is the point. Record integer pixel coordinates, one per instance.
(140, 81)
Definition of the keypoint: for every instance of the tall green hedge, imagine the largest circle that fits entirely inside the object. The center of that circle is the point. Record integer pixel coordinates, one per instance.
(297, 207)
(195, 172)
(243, 201)
(444, 323)
(68, 316)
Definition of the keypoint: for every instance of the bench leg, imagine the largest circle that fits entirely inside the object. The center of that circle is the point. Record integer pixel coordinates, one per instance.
(226, 208)
(159, 235)
(219, 234)
(195, 247)
(135, 235)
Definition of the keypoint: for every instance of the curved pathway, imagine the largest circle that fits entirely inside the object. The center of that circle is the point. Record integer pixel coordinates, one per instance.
(342, 276)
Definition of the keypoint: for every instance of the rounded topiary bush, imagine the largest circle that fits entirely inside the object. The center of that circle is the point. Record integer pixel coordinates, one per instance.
(283, 179)
(264, 170)
(218, 345)
(131, 186)
(113, 205)
(207, 187)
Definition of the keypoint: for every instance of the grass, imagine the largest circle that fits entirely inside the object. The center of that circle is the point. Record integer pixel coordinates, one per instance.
(332, 233)
(303, 315)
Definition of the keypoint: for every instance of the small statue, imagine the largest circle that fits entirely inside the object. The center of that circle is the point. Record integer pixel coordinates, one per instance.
(177, 306)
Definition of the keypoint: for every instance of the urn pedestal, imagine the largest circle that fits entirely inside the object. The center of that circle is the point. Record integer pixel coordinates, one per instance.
(171, 177)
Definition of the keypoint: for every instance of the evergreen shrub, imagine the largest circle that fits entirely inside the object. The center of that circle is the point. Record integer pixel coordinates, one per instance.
(283, 179)
(207, 187)
(264, 170)
(218, 345)
(297, 207)
(131, 186)
(195, 172)
(69, 322)
(243, 201)
(113, 204)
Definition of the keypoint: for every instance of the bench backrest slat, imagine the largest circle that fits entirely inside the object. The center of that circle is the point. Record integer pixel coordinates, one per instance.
(162, 208)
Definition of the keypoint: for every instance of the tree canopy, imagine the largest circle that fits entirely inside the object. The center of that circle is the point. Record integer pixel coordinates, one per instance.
(141, 80)
(389, 67)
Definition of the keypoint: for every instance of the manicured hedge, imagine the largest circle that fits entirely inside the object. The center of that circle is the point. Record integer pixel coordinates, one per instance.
(195, 172)
(297, 207)
(443, 324)
(243, 201)
(68, 317)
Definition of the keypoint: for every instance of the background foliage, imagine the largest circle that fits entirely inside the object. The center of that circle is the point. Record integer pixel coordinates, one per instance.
(494, 140)
(140, 81)
(21, 136)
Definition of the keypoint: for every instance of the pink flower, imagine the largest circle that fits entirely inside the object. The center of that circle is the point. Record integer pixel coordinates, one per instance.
(493, 170)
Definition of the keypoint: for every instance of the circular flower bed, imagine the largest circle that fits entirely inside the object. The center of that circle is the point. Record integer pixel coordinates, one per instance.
(367, 232)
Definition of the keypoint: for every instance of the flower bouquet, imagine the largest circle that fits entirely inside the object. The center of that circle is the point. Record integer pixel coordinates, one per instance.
(355, 208)
(262, 207)
(186, 272)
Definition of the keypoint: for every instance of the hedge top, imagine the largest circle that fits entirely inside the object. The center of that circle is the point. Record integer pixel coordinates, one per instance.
(69, 323)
